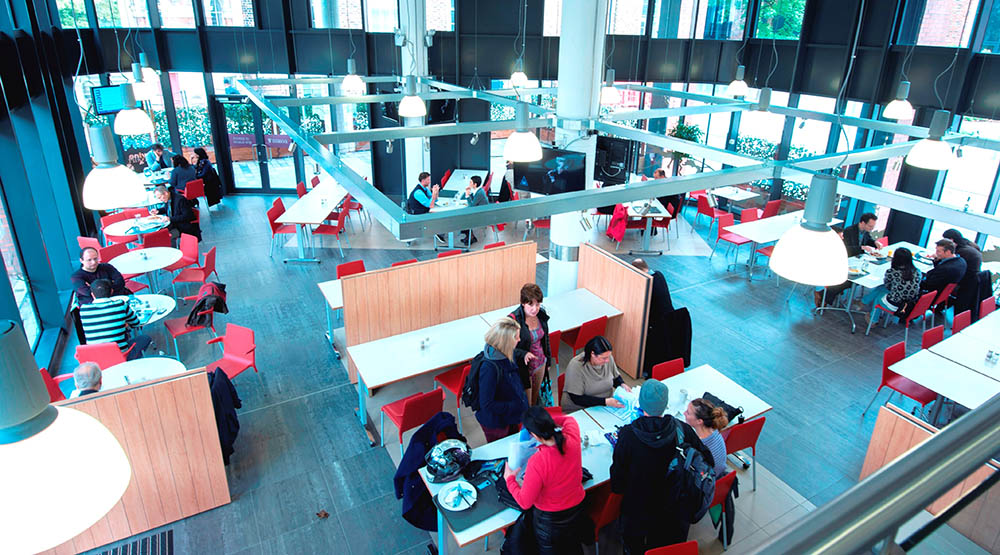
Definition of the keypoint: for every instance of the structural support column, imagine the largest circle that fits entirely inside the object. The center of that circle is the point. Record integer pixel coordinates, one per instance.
(413, 21)
(581, 68)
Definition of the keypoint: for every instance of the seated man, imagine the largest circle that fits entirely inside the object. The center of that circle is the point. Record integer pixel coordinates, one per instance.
(476, 196)
(87, 378)
(858, 239)
(948, 267)
(90, 271)
(423, 197)
(108, 320)
(178, 213)
(158, 158)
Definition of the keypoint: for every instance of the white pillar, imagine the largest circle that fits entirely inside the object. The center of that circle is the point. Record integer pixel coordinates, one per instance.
(581, 68)
(413, 22)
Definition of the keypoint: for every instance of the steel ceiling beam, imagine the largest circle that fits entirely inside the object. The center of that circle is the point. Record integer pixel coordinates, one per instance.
(708, 99)
(485, 95)
(363, 99)
(316, 80)
(673, 143)
(680, 111)
(435, 130)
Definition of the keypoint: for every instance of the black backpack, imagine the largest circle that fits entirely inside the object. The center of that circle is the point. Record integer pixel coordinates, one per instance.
(470, 389)
(692, 480)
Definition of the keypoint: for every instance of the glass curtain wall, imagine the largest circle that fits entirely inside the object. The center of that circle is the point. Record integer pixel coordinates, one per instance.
(336, 14)
(176, 14)
(191, 105)
(940, 23)
(967, 185)
(229, 13)
(780, 19)
(18, 278)
(701, 19)
(120, 13)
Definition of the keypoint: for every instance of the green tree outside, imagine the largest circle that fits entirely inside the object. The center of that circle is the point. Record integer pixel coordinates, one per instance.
(780, 19)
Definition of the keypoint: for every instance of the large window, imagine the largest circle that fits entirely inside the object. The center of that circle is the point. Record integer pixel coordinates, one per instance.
(440, 15)
(383, 16)
(551, 18)
(72, 14)
(627, 17)
(135, 146)
(968, 183)
(18, 279)
(938, 22)
(810, 135)
(176, 14)
(991, 39)
(229, 13)
(191, 105)
(336, 14)
(710, 19)
(122, 13)
(780, 19)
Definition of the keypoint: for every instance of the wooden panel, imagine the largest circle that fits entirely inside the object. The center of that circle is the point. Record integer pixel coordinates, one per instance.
(626, 288)
(167, 429)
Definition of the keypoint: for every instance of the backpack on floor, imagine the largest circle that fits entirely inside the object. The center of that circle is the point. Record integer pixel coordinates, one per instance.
(692, 480)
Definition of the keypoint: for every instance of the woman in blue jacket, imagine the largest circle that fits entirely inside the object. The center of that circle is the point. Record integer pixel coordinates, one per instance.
(501, 394)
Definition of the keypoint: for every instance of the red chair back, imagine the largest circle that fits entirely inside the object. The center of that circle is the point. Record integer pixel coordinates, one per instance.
(605, 506)
(944, 294)
(239, 342)
(55, 394)
(704, 207)
(987, 306)
(892, 355)
(350, 268)
(686, 548)
(722, 487)
(449, 253)
(300, 189)
(126, 214)
(554, 338)
(961, 322)
(403, 262)
(209, 266)
(668, 369)
(560, 383)
(748, 215)
(273, 213)
(771, 208)
(494, 245)
(105, 355)
(933, 336)
(882, 242)
(189, 247)
(106, 254)
(590, 330)
(160, 238)
(420, 408)
(743, 436)
(88, 242)
(314, 181)
(923, 305)
(280, 204)
(726, 220)
(445, 178)
(194, 189)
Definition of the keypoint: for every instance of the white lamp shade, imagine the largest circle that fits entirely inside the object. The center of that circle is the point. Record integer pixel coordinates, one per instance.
(931, 154)
(412, 107)
(143, 90)
(810, 257)
(522, 146)
(353, 85)
(610, 95)
(41, 508)
(518, 79)
(133, 121)
(738, 88)
(110, 187)
(898, 109)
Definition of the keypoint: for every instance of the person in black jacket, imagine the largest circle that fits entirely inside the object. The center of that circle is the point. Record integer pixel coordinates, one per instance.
(858, 239)
(639, 465)
(178, 213)
(532, 353)
(501, 393)
(92, 270)
(948, 267)
(660, 310)
(967, 293)
(204, 171)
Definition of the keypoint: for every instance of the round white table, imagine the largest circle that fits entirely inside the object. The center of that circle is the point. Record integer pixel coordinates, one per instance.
(145, 225)
(140, 370)
(150, 307)
(150, 201)
(158, 177)
(142, 261)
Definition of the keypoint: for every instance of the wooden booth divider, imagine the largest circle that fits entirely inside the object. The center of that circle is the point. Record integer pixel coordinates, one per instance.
(390, 301)
(626, 288)
(895, 433)
(167, 429)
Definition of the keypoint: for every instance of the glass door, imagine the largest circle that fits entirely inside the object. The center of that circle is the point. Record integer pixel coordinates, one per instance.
(259, 152)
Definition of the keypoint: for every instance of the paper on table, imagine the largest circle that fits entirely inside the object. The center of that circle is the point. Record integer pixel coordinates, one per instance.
(521, 450)
(630, 400)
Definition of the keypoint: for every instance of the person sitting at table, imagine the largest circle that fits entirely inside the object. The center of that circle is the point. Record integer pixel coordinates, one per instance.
(707, 420)
(501, 393)
(552, 484)
(833, 291)
(90, 271)
(858, 239)
(204, 171)
(87, 379)
(423, 197)
(948, 267)
(967, 292)
(108, 320)
(674, 200)
(660, 309)
(644, 451)
(591, 378)
(476, 196)
(901, 285)
(178, 213)
(158, 157)
(532, 352)
(182, 173)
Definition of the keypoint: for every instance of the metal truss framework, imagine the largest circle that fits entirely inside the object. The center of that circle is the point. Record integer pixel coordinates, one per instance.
(743, 168)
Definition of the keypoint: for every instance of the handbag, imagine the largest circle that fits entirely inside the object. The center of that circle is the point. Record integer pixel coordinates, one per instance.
(545, 397)
(732, 413)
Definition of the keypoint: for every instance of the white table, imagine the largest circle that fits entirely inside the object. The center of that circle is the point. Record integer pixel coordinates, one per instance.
(566, 311)
(140, 370)
(447, 205)
(150, 307)
(733, 194)
(141, 261)
(596, 459)
(767, 230)
(133, 226)
(647, 209)
(312, 209)
(158, 177)
(986, 329)
(460, 178)
(947, 378)
(970, 351)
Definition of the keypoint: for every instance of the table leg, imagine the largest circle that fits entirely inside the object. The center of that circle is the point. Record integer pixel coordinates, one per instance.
(646, 248)
(847, 309)
(329, 330)
(302, 237)
(442, 534)
(362, 401)
(753, 259)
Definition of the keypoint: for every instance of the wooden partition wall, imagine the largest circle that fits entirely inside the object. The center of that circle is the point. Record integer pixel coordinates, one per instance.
(895, 433)
(626, 288)
(167, 428)
(387, 302)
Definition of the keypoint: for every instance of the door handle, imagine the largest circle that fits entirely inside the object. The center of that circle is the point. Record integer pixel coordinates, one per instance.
(253, 149)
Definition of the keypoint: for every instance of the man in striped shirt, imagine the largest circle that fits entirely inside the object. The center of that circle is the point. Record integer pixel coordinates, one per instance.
(107, 320)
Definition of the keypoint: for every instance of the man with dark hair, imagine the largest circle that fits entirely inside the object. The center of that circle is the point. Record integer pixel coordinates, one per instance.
(948, 267)
(158, 157)
(107, 320)
(858, 239)
(92, 270)
(178, 213)
(423, 197)
(476, 196)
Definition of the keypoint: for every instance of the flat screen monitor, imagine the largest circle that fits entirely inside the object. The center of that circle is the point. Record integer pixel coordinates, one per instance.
(442, 111)
(559, 171)
(107, 99)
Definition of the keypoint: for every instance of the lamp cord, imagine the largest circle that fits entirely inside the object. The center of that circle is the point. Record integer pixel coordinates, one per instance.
(774, 48)
(843, 86)
(952, 64)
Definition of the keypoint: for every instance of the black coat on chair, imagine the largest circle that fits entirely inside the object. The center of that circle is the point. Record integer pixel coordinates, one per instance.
(225, 401)
(418, 507)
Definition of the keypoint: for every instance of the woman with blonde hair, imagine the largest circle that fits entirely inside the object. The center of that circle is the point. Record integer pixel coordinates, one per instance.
(501, 393)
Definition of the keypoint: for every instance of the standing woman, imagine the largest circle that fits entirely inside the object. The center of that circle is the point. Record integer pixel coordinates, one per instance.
(501, 395)
(532, 352)
(182, 173)
(707, 419)
(552, 482)
(204, 171)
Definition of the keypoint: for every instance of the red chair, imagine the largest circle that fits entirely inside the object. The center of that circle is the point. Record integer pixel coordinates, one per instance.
(52, 385)
(314, 181)
(104, 355)
(726, 220)
(273, 213)
(449, 253)
(403, 262)
(197, 274)
(744, 436)
(193, 190)
(933, 336)
(987, 306)
(882, 242)
(560, 384)
(706, 209)
(189, 253)
(300, 189)
(336, 230)
(664, 223)
(668, 369)
(941, 301)
(748, 215)
(88, 242)
(579, 337)
(453, 380)
(536, 225)
(411, 412)
(445, 178)
(177, 327)
(352, 205)
(350, 268)
(605, 506)
(961, 321)
(127, 214)
(108, 253)
(722, 489)
(159, 238)
(494, 245)
(238, 351)
(897, 383)
(554, 338)
(919, 311)
(770, 209)
(686, 548)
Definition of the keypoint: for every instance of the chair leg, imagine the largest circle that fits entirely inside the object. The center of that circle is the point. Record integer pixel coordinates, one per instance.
(871, 318)
(400, 449)
(725, 536)
(754, 451)
(339, 247)
(381, 428)
(177, 352)
(906, 333)
(271, 252)
(879, 390)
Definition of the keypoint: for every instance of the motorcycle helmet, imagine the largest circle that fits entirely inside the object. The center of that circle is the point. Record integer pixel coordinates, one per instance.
(447, 459)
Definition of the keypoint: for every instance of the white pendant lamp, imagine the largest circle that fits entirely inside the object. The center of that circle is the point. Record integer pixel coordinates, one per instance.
(142, 89)
(353, 85)
(132, 121)
(110, 185)
(900, 108)
(932, 153)
(38, 444)
(518, 79)
(738, 87)
(810, 252)
(609, 94)
(522, 145)
(411, 106)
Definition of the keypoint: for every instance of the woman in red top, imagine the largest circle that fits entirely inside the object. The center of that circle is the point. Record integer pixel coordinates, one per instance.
(552, 482)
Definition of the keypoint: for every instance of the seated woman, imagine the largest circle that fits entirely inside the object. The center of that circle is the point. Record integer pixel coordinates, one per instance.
(501, 394)
(182, 173)
(707, 419)
(591, 378)
(901, 286)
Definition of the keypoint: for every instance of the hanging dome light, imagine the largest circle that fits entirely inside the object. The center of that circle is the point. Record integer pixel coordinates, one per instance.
(738, 87)
(522, 145)
(932, 153)
(36, 441)
(609, 94)
(353, 85)
(810, 252)
(132, 121)
(141, 88)
(900, 108)
(518, 79)
(412, 106)
(110, 185)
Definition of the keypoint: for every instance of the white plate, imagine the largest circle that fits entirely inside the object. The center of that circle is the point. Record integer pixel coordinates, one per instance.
(458, 495)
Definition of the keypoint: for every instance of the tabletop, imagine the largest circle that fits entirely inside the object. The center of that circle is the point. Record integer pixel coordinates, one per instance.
(566, 311)
(637, 209)
(400, 357)
(950, 379)
(985, 329)
(151, 200)
(460, 178)
(140, 370)
(157, 177)
(876, 272)
(446, 204)
(141, 261)
(149, 307)
(144, 225)
(970, 351)
(766, 230)
(315, 207)
(734, 194)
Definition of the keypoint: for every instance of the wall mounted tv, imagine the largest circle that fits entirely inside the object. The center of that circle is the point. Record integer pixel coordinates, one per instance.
(559, 171)
(108, 100)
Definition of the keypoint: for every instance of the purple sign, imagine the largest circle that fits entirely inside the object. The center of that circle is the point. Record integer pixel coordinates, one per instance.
(277, 141)
(241, 139)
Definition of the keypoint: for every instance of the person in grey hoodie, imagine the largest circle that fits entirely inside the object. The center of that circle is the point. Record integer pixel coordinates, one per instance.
(501, 395)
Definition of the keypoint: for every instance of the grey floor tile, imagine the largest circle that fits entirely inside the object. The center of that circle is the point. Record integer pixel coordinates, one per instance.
(356, 480)
(283, 506)
(382, 516)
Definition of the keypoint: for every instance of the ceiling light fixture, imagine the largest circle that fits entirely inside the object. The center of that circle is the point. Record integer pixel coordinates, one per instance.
(522, 145)
(900, 108)
(36, 441)
(609, 94)
(142, 89)
(810, 252)
(411, 106)
(738, 87)
(388, 146)
(110, 185)
(134, 120)
(353, 85)
(474, 139)
(932, 153)
(518, 79)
